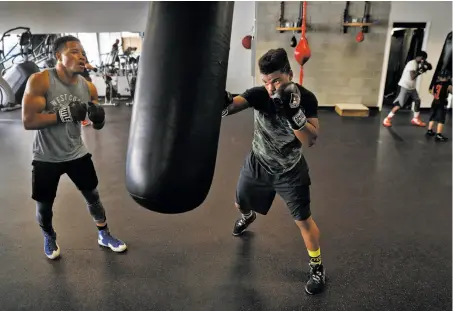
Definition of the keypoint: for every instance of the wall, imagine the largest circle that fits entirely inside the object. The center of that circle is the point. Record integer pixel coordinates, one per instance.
(124, 16)
(41, 17)
(438, 15)
(339, 70)
(240, 75)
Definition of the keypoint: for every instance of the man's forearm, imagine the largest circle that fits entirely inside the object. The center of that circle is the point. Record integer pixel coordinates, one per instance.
(307, 135)
(39, 121)
(236, 106)
(311, 130)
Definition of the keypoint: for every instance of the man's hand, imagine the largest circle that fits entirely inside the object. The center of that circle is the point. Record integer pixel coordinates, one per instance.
(287, 103)
(228, 100)
(423, 68)
(74, 112)
(96, 114)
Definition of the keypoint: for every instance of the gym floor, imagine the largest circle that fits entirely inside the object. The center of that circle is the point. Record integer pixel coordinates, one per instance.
(381, 197)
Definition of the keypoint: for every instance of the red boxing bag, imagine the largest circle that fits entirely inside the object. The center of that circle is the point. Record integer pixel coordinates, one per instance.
(178, 104)
(247, 42)
(302, 51)
(360, 37)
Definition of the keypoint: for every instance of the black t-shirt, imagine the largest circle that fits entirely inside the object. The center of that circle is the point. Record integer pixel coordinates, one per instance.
(440, 90)
(274, 143)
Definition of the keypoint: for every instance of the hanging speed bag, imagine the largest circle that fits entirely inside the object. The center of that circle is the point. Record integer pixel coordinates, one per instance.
(302, 51)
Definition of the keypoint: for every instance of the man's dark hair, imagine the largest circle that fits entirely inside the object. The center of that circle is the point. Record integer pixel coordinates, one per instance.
(274, 60)
(422, 54)
(60, 43)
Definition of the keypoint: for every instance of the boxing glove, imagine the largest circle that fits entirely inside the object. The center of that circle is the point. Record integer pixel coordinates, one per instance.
(95, 113)
(98, 126)
(428, 66)
(287, 103)
(74, 112)
(228, 100)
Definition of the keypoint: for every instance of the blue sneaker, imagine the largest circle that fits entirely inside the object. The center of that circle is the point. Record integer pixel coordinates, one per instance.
(106, 240)
(51, 248)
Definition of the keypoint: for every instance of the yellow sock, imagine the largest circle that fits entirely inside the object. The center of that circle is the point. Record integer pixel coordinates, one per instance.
(315, 256)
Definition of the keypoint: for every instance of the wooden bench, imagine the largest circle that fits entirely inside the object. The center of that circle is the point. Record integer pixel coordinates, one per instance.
(352, 110)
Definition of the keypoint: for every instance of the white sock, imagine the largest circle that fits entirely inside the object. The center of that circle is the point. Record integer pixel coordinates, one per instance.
(416, 115)
(391, 114)
(247, 216)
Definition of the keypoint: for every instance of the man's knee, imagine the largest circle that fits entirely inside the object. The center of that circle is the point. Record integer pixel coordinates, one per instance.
(304, 223)
(94, 205)
(91, 196)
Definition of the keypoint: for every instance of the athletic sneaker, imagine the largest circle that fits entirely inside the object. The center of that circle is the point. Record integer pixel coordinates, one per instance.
(317, 280)
(51, 248)
(430, 133)
(418, 122)
(242, 223)
(106, 240)
(440, 137)
(387, 122)
(86, 123)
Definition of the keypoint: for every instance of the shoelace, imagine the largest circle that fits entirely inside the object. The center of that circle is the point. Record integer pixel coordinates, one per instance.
(316, 275)
(243, 221)
(50, 244)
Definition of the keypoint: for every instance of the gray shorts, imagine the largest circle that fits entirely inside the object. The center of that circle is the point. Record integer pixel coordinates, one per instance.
(404, 95)
(256, 188)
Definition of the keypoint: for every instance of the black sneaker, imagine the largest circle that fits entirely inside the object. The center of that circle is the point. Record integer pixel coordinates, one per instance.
(317, 281)
(242, 223)
(440, 137)
(430, 133)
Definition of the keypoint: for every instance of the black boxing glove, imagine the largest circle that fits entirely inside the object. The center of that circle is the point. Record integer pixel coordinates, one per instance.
(287, 103)
(98, 126)
(228, 100)
(424, 68)
(74, 112)
(95, 113)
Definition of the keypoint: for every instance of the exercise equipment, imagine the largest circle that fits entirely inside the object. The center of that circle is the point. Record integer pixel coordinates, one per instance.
(247, 42)
(346, 17)
(7, 98)
(302, 52)
(282, 16)
(365, 19)
(445, 60)
(15, 77)
(360, 37)
(176, 117)
(117, 78)
(293, 42)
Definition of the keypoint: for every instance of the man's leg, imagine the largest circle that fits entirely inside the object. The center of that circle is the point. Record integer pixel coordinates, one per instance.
(416, 99)
(294, 188)
(253, 193)
(83, 175)
(398, 103)
(440, 118)
(432, 118)
(45, 179)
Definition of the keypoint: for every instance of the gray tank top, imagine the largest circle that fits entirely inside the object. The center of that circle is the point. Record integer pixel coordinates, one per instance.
(61, 142)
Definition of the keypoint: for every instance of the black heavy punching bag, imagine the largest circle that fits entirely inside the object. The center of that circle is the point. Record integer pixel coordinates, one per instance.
(176, 116)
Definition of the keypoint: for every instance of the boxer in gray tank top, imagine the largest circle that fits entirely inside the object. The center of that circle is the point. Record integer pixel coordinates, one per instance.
(54, 104)
(61, 142)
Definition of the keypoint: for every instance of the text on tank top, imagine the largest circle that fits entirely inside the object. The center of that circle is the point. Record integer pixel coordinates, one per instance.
(61, 142)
